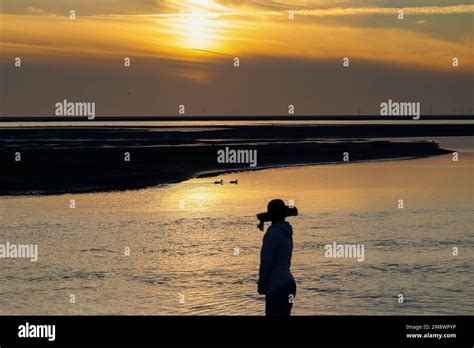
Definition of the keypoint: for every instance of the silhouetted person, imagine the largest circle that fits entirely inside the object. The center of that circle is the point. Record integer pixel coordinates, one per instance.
(275, 279)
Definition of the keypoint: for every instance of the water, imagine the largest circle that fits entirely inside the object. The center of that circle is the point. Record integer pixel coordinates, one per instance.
(182, 259)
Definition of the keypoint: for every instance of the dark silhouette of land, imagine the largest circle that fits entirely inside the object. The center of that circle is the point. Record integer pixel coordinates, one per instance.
(83, 159)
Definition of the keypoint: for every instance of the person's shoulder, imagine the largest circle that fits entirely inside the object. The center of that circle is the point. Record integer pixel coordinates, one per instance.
(281, 225)
(272, 231)
(283, 229)
(278, 228)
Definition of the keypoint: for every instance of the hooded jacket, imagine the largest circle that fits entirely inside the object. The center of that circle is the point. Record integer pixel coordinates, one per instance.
(275, 258)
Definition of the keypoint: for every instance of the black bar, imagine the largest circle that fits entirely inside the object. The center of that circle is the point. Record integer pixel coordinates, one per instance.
(191, 330)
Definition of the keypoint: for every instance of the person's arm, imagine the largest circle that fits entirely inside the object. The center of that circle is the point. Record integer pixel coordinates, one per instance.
(270, 241)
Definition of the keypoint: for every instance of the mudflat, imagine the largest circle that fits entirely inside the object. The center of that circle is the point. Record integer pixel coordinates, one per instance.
(55, 160)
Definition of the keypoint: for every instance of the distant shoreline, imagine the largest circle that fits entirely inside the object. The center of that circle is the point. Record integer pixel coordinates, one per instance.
(181, 118)
(214, 173)
(79, 160)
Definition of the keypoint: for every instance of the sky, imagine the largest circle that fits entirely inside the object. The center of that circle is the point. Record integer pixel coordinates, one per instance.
(184, 53)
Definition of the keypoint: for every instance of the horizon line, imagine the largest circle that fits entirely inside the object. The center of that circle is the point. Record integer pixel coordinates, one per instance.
(233, 118)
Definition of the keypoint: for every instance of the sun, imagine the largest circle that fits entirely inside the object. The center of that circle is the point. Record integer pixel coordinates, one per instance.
(197, 26)
(197, 32)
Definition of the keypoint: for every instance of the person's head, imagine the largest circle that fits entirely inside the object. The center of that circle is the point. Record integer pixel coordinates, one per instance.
(277, 211)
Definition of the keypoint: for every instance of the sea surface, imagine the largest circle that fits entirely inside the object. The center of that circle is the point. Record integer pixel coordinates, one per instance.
(194, 246)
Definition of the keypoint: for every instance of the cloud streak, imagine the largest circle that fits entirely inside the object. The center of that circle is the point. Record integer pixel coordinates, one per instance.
(426, 10)
(216, 8)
